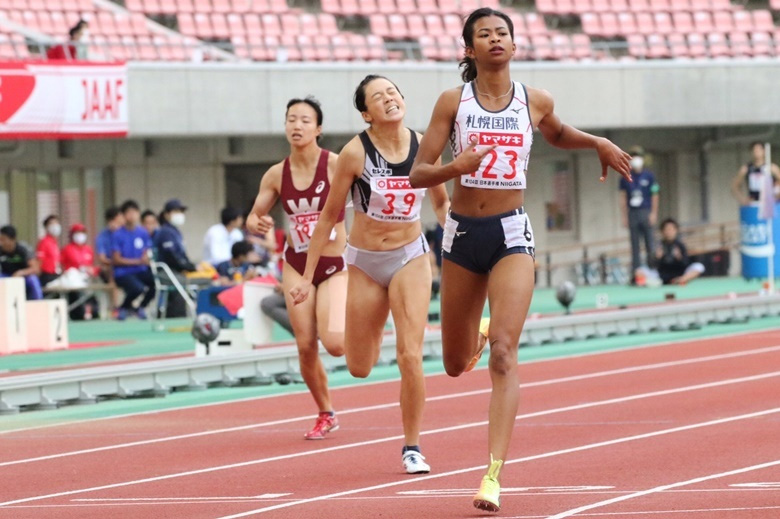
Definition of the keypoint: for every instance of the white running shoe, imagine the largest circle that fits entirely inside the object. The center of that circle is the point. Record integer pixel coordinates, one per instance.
(414, 463)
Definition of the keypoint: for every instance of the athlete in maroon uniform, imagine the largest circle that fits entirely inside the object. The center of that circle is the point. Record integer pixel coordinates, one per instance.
(302, 182)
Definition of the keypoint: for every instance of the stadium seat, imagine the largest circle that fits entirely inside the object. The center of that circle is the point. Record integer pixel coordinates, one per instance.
(241, 6)
(645, 23)
(309, 24)
(600, 6)
(548, 6)
(565, 6)
(429, 48)
(342, 48)
(369, 7)
(331, 6)
(639, 6)
(678, 47)
(718, 46)
(581, 48)
(657, 47)
(124, 27)
(535, 24)
(702, 21)
(139, 23)
(252, 24)
(430, 7)
(591, 24)
(236, 24)
(740, 44)
(721, 5)
(349, 8)
(454, 26)
(683, 22)
(271, 25)
(561, 47)
(203, 25)
(147, 50)
(658, 6)
(762, 43)
(723, 21)
(541, 47)
(221, 6)
(327, 24)
(637, 46)
(774, 5)
(107, 25)
(406, 6)
(291, 24)
(522, 48)
(662, 22)
(415, 23)
(609, 25)
(581, 6)
(700, 5)
(679, 5)
(168, 6)
(762, 20)
(379, 26)
(619, 6)
(448, 50)
(696, 45)
(186, 24)
(397, 24)
(433, 24)
(184, 6)
(202, 6)
(626, 23)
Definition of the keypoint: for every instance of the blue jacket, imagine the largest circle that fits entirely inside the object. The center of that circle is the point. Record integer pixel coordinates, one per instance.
(170, 249)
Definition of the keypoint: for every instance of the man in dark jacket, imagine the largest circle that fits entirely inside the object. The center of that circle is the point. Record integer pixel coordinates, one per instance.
(674, 265)
(170, 249)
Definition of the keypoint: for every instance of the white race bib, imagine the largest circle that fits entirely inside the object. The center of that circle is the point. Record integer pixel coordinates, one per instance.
(501, 167)
(301, 229)
(393, 199)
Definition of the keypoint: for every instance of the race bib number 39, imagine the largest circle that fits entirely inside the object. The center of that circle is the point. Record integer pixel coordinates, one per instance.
(393, 199)
(502, 167)
(301, 229)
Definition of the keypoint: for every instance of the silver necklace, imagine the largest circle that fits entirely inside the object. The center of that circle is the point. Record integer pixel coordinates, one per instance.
(495, 97)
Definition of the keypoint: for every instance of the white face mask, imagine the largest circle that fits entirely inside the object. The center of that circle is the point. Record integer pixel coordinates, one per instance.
(84, 34)
(637, 163)
(54, 229)
(80, 238)
(178, 219)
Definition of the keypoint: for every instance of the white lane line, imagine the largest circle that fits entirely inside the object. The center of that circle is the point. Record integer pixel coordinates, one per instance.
(396, 379)
(153, 499)
(509, 462)
(575, 378)
(289, 456)
(655, 512)
(576, 511)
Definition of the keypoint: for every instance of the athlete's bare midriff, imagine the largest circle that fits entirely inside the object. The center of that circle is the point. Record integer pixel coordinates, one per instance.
(475, 202)
(370, 234)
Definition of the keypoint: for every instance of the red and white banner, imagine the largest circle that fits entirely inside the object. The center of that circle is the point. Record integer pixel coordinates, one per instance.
(63, 100)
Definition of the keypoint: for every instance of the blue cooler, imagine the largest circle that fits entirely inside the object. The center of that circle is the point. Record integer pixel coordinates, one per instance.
(754, 242)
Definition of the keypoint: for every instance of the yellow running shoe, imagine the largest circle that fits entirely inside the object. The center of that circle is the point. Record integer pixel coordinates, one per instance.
(482, 340)
(489, 490)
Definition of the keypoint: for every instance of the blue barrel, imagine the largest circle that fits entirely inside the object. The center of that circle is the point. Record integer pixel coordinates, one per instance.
(755, 246)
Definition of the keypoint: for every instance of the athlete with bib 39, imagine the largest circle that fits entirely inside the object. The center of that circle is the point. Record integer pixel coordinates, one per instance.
(389, 268)
(302, 183)
(488, 244)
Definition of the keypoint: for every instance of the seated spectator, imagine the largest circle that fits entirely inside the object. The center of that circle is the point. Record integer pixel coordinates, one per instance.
(16, 260)
(238, 268)
(222, 236)
(74, 49)
(150, 222)
(130, 246)
(103, 242)
(674, 266)
(275, 307)
(169, 241)
(78, 255)
(48, 250)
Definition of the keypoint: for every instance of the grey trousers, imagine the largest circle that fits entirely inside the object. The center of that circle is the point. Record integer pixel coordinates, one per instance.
(640, 229)
(275, 307)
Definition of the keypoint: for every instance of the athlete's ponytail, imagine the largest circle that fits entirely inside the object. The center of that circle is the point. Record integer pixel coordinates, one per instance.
(469, 65)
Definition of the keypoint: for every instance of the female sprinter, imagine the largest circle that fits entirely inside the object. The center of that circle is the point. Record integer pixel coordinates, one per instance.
(302, 182)
(488, 243)
(389, 269)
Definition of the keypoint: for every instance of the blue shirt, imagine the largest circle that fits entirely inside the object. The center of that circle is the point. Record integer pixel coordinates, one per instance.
(640, 191)
(226, 269)
(103, 242)
(130, 244)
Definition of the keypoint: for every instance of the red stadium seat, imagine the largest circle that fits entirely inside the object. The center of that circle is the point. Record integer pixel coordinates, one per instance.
(124, 26)
(203, 25)
(378, 25)
(600, 6)
(644, 23)
(433, 24)
(619, 6)
(565, 7)
(723, 21)
(663, 23)
(349, 7)
(639, 6)
(327, 24)
(430, 7)
(406, 6)
(220, 26)
(454, 26)
(581, 48)
(331, 6)
(683, 22)
(397, 24)
(626, 23)
(202, 6)
(656, 6)
(168, 6)
(252, 23)
(429, 48)
(680, 5)
(637, 46)
(762, 20)
(657, 47)
(221, 6)
(579, 7)
(236, 24)
(609, 25)
(591, 24)
(535, 24)
(762, 43)
(546, 6)
(271, 25)
(678, 47)
(448, 50)
(718, 46)
(415, 23)
(702, 21)
(185, 6)
(541, 47)
(696, 46)
(278, 6)
(186, 24)
(740, 44)
(561, 47)
(240, 6)
(139, 23)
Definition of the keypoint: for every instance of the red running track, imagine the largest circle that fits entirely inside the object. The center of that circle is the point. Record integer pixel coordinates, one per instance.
(665, 431)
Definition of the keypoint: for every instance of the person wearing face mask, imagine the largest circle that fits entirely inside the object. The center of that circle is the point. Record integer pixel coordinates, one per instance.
(75, 49)
(169, 248)
(79, 255)
(48, 250)
(639, 208)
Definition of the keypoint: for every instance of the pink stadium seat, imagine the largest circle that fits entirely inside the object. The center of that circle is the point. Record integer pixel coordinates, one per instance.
(133, 5)
(565, 7)
(609, 25)
(637, 46)
(58, 21)
(240, 46)
(429, 48)
(147, 50)
(762, 20)
(358, 45)
(139, 23)
(541, 47)
(639, 6)
(740, 44)
(548, 6)
(429, 7)
(45, 23)
(168, 6)
(433, 24)
(132, 52)
(30, 19)
(762, 43)
(291, 24)
(378, 25)
(619, 6)
(723, 21)
(240, 6)
(657, 47)
(331, 6)
(236, 24)
(683, 22)
(645, 23)
(309, 24)
(322, 46)
(327, 24)
(680, 5)
(448, 50)
(369, 7)
(454, 26)
(342, 49)
(252, 23)
(626, 23)
(124, 27)
(415, 23)
(257, 49)
(397, 24)
(702, 21)
(591, 24)
(600, 6)
(85, 5)
(696, 46)
(184, 6)
(203, 25)
(662, 22)
(700, 5)
(721, 5)
(678, 47)
(278, 6)
(306, 47)
(107, 24)
(349, 7)
(581, 48)
(718, 46)
(561, 47)
(220, 26)
(774, 4)
(658, 5)
(535, 24)
(202, 6)
(579, 7)
(221, 6)
(406, 6)
(260, 7)
(271, 25)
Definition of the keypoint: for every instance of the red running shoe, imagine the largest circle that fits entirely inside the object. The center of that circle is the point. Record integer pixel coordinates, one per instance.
(325, 423)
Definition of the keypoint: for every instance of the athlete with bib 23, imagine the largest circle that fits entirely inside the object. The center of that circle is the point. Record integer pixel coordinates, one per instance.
(389, 267)
(488, 244)
(302, 183)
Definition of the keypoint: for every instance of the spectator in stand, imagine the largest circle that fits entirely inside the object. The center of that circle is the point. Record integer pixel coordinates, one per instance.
(130, 246)
(238, 268)
(639, 208)
(114, 220)
(16, 260)
(48, 250)
(674, 265)
(78, 255)
(150, 222)
(169, 241)
(746, 186)
(222, 236)
(75, 49)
